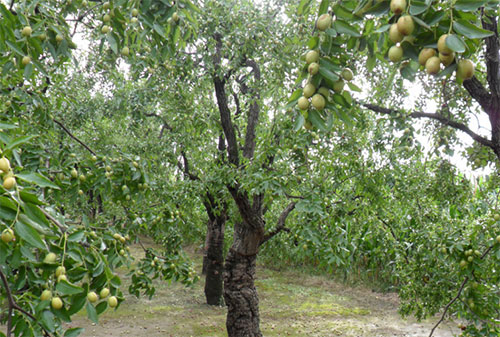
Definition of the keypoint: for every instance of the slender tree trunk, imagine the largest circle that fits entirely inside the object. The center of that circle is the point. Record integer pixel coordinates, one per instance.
(215, 261)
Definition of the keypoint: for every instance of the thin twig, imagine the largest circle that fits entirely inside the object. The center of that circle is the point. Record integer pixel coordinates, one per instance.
(73, 136)
(62, 228)
(458, 294)
(13, 305)
(464, 282)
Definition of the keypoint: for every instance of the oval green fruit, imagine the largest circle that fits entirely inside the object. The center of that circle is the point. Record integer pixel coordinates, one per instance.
(9, 183)
(446, 59)
(347, 74)
(56, 303)
(324, 22)
(4, 165)
(442, 47)
(425, 54)
(50, 258)
(92, 297)
(46, 295)
(398, 6)
(303, 103)
(395, 53)
(26, 31)
(112, 301)
(318, 102)
(313, 68)
(394, 34)
(312, 56)
(7, 235)
(309, 90)
(104, 293)
(466, 71)
(60, 271)
(432, 66)
(406, 26)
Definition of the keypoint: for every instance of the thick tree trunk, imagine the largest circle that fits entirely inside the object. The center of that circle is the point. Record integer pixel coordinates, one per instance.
(215, 261)
(241, 296)
(239, 289)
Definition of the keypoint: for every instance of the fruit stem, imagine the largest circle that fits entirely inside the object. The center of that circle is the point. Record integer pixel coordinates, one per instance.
(451, 16)
(64, 248)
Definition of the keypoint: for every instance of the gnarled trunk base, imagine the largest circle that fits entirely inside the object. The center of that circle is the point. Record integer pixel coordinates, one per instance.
(241, 296)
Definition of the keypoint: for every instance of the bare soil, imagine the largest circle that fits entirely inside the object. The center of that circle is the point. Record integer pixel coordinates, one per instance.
(292, 303)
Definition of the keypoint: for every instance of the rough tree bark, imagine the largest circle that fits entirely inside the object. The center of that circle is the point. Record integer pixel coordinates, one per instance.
(215, 260)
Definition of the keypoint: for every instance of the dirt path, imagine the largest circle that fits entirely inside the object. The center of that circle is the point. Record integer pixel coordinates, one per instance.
(291, 304)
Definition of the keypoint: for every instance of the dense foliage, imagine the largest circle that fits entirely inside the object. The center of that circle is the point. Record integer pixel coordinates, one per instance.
(125, 138)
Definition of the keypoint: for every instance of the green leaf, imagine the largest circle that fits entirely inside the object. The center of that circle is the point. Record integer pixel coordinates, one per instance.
(65, 288)
(30, 198)
(326, 63)
(4, 126)
(418, 7)
(379, 9)
(327, 74)
(469, 30)
(76, 236)
(313, 42)
(77, 303)
(353, 87)
(323, 8)
(339, 99)
(299, 123)
(421, 22)
(455, 43)
(160, 30)
(317, 120)
(15, 48)
(295, 96)
(447, 71)
(112, 43)
(73, 332)
(303, 4)
(469, 5)
(345, 28)
(91, 313)
(37, 179)
(48, 320)
(28, 70)
(18, 141)
(30, 235)
(36, 215)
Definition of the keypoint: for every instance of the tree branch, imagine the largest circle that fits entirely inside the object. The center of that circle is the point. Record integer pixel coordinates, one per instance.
(73, 136)
(456, 125)
(454, 299)
(62, 228)
(254, 111)
(281, 223)
(479, 93)
(13, 305)
(462, 286)
(225, 113)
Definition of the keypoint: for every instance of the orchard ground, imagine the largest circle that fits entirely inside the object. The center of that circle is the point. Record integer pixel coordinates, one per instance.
(292, 303)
